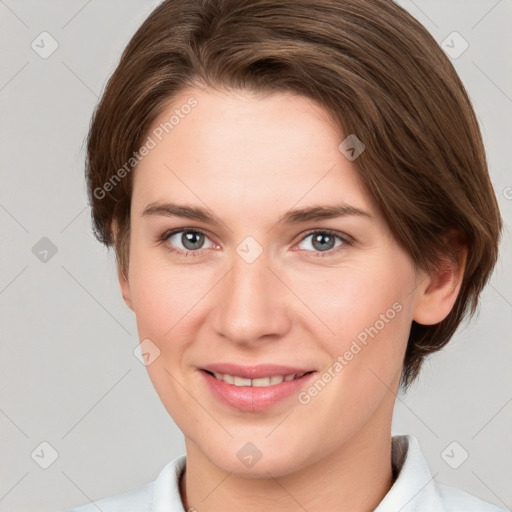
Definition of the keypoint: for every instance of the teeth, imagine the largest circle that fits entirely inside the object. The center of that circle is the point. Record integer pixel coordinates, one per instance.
(277, 379)
(240, 381)
(264, 381)
(260, 382)
(227, 378)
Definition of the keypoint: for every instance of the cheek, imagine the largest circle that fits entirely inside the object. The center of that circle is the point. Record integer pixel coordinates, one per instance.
(362, 321)
(162, 293)
(154, 302)
(352, 301)
(165, 299)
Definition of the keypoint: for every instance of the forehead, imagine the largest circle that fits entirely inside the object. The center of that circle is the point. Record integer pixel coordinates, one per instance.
(236, 148)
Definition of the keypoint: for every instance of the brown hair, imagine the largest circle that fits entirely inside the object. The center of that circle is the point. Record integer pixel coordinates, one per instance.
(378, 72)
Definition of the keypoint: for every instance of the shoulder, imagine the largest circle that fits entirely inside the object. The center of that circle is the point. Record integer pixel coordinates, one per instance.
(416, 490)
(160, 494)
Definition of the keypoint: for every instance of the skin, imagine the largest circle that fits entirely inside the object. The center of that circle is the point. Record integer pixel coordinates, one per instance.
(248, 159)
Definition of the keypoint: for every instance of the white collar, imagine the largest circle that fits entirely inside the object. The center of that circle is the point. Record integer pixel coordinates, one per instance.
(414, 489)
(412, 486)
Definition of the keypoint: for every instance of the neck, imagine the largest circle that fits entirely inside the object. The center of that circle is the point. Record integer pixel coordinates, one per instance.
(356, 477)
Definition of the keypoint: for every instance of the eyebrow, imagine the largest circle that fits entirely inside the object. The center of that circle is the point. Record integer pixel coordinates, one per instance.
(296, 216)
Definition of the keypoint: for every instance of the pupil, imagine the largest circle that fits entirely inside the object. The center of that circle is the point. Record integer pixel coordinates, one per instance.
(188, 240)
(324, 241)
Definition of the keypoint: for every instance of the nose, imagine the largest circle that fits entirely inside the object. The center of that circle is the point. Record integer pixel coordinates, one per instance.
(252, 303)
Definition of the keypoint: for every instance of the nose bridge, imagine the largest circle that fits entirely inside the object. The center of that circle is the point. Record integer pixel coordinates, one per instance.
(251, 302)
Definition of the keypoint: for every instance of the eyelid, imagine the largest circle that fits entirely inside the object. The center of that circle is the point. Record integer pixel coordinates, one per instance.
(342, 236)
(168, 233)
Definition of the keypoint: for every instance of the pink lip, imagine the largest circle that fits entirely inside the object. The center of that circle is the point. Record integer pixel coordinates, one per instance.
(255, 399)
(254, 372)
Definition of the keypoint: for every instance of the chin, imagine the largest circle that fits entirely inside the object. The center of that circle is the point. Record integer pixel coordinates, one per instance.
(256, 459)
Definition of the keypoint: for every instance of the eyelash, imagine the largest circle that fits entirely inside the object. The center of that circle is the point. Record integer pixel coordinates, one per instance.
(320, 254)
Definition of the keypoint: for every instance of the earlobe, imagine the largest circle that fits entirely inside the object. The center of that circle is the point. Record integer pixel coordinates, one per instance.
(438, 292)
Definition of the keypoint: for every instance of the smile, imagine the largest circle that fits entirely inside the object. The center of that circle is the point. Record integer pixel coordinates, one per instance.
(261, 382)
(258, 394)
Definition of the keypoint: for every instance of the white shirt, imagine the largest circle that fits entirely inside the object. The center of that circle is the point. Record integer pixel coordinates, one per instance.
(414, 489)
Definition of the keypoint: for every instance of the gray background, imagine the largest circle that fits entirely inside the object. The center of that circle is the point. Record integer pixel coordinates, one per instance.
(67, 369)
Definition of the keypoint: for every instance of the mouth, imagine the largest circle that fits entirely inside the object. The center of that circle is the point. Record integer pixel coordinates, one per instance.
(255, 388)
(261, 382)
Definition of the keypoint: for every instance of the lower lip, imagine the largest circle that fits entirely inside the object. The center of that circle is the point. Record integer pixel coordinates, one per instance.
(254, 398)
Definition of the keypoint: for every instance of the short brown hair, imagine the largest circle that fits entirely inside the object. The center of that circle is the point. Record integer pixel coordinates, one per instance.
(377, 71)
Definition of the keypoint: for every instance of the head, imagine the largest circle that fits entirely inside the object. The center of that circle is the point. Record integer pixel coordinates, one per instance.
(247, 111)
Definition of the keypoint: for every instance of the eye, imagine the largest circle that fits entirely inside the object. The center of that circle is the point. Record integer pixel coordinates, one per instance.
(186, 241)
(325, 241)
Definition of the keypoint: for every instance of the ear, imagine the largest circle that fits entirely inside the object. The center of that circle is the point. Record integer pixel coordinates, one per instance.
(123, 280)
(439, 290)
(125, 287)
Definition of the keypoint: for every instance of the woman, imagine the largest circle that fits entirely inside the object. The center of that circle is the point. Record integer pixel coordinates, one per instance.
(298, 198)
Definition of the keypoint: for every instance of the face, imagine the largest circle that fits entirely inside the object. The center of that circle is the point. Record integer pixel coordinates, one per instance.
(249, 284)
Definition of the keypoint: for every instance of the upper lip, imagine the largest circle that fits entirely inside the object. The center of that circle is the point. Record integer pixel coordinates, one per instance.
(255, 372)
